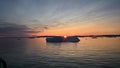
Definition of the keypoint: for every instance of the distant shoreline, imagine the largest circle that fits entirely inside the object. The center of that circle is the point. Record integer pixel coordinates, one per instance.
(81, 36)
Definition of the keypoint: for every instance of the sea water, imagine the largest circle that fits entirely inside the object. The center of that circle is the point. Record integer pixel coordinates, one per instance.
(37, 53)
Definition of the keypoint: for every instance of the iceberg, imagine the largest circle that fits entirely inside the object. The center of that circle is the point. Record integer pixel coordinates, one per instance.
(63, 39)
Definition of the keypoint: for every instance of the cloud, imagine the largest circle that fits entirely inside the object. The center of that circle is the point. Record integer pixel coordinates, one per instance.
(12, 29)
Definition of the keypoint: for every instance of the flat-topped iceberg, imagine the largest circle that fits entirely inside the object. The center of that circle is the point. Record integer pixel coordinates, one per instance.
(63, 39)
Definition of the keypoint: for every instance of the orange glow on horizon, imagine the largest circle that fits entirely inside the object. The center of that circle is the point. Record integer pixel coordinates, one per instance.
(65, 36)
(83, 29)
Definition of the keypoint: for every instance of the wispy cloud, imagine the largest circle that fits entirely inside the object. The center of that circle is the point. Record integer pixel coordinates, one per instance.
(13, 29)
(32, 16)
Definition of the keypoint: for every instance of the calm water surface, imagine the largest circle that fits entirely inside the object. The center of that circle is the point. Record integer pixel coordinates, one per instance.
(36, 53)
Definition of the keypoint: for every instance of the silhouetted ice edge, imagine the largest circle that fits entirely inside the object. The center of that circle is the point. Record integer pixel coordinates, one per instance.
(63, 39)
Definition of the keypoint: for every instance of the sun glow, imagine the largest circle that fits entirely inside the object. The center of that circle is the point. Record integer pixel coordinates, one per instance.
(65, 36)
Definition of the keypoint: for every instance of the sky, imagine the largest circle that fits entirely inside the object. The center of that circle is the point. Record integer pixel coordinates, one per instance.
(59, 17)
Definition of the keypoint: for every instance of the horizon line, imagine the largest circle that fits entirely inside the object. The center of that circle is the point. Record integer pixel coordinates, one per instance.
(41, 36)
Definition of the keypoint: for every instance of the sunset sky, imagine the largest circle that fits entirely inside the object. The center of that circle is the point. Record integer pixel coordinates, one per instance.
(59, 17)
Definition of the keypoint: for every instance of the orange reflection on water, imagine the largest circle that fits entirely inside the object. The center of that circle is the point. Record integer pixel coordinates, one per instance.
(86, 46)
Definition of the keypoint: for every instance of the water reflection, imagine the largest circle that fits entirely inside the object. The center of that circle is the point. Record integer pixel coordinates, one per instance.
(36, 53)
(52, 44)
